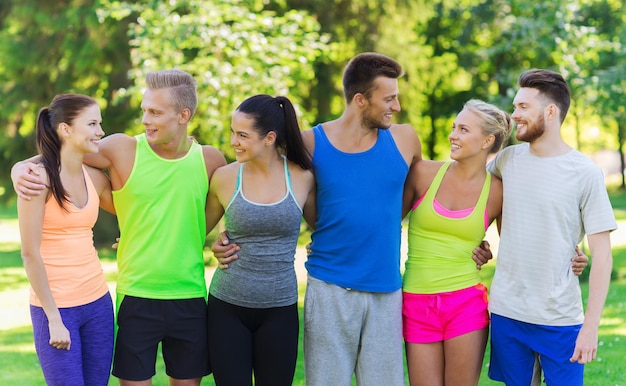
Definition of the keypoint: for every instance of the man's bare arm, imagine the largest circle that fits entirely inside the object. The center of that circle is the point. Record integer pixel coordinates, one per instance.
(599, 278)
(25, 178)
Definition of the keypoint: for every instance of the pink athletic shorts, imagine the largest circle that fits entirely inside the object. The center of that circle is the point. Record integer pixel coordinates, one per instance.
(428, 318)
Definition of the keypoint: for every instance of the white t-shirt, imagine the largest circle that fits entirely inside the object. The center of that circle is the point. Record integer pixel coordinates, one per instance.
(550, 203)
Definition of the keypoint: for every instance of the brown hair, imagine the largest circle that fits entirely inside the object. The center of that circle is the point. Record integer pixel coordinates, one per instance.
(550, 84)
(63, 109)
(278, 115)
(362, 70)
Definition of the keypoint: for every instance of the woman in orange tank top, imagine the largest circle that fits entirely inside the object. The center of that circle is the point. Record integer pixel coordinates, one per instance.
(71, 307)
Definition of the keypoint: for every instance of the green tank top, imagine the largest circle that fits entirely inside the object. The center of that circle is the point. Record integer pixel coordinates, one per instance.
(440, 247)
(161, 216)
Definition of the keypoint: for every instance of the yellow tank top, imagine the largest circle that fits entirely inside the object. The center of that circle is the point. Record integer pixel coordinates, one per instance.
(440, 248)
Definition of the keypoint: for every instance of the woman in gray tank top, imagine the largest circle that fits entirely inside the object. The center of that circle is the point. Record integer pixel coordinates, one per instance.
(253, 311)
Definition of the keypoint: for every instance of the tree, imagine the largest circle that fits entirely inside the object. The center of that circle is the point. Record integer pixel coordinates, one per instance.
(233, 49)
(51, 47)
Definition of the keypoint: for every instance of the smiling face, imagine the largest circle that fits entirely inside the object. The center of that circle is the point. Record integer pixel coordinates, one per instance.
(85, 131)
(160, 118)
(467, 138)
(528, 114)
(382, 104)
(245, 139)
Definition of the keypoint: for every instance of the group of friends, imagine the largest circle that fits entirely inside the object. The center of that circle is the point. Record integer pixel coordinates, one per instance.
(353, 180)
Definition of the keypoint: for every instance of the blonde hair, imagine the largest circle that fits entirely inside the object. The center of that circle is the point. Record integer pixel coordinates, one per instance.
(182, 88)
(495, 121)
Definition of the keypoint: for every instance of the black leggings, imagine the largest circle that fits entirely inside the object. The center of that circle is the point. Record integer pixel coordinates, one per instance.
(245, 340)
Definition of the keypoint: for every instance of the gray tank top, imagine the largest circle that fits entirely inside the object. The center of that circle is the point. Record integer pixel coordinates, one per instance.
(267, 234)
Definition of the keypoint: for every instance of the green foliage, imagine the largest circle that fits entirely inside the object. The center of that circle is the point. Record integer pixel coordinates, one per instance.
(617, 195)
(232, 51)
(451, 51)
(50, 47)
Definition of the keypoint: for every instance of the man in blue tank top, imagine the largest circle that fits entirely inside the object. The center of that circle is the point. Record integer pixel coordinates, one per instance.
(353, 301)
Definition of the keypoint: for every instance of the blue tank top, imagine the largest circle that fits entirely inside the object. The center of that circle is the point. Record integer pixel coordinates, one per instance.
(356, 243)
(263, 276)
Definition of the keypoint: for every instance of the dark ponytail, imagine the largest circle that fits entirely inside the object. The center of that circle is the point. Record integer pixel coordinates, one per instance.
(278, 115)
(293, 143)
(63, 109)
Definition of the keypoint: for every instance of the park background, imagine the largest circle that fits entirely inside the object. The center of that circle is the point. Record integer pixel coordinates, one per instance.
(451, 50)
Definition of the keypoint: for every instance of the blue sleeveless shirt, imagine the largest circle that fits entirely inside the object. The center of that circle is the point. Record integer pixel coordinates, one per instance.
(356, 243)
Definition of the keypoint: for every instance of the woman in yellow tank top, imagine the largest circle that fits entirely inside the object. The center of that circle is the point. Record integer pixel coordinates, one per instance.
(451, 204)
(445, 317)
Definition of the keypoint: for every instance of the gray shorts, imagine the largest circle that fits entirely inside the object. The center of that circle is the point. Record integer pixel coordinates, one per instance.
(350, 332)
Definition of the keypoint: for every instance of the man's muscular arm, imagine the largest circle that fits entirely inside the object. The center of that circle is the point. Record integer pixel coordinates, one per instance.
(25, 174)
(213, 159)
(25, 178)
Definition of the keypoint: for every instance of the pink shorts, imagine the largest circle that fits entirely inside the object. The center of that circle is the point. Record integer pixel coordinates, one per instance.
(428, 318)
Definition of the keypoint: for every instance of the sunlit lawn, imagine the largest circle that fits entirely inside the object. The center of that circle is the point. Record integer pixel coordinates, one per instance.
(19, 365)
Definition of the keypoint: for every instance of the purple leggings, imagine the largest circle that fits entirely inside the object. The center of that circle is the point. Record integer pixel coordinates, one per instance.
(88, 362)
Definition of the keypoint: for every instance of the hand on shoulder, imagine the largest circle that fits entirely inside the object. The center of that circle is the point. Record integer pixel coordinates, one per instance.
(27, 179)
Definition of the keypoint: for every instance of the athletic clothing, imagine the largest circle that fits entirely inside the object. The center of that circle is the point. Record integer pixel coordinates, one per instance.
(353, 302)
(263, 276)
(74, 271)
(513, 358)
(263, 339)
(549, 204)
(255, 299)
(440, 247)
(79, 289)
(88, 362)
(352, 332)
(180, 326)
(443, 297)
(437, 317)
(160, 210)
(356, 243)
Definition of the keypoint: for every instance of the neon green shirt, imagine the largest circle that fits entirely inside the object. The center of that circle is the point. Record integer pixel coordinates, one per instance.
(161, 216)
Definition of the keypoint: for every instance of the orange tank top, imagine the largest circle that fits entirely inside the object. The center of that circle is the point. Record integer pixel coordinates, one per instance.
(74, 272)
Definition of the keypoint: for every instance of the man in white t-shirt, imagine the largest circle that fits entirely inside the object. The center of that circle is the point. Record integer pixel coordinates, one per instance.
(553, 196)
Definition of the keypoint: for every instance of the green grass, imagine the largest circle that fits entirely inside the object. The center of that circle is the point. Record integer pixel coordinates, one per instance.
(8, 211)
(618, 201)
(19, 364)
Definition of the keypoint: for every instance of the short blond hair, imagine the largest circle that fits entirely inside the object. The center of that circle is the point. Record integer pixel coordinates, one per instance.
(182, 88)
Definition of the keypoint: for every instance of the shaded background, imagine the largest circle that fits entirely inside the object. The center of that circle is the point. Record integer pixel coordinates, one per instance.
(451, 50)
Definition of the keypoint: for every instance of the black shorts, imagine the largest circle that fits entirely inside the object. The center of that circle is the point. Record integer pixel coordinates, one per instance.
(181, 327)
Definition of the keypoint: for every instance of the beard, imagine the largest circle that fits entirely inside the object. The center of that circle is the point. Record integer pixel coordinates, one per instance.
(368, 121)
(533, 130)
